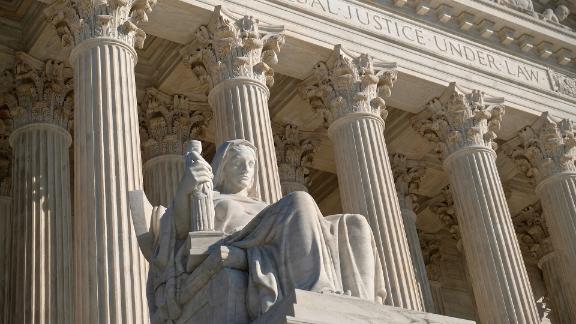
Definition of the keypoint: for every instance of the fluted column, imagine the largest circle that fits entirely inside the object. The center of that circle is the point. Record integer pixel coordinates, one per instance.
(5, 217)
(547, 152)
(110, 271)
(161, 177)
(407, 176)
(235, 62)
(562, 310)
(166, 123)
(535, 244)
(40, 266)
(349, 91)
(464, 125)
(294, 155)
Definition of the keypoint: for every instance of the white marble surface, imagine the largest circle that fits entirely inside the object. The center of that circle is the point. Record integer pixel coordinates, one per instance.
(314, 308)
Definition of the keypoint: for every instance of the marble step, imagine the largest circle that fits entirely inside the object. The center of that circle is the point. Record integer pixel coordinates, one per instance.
(314, 308)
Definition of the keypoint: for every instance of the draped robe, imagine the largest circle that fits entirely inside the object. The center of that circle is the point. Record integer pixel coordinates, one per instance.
(289, 245)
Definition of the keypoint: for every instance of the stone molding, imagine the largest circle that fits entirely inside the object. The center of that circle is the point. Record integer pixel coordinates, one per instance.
(167, 122)
(457, 120)
(546, 148)
(407, 176)
(76, 21)
(38, 92)
(347, 83)
(234, 47)
(294, 155)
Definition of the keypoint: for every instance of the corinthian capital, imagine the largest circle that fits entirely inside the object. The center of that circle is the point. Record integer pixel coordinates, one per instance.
(38, 92)
(230, 48)
(407, 177)
(347, 83)
(79, 20)
(294, 155)
(547, 147)
(532, 232)
(457, 119)
(167, 122)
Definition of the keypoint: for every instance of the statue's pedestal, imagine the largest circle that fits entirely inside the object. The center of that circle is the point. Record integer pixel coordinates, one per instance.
(305, 307)
(215, 292)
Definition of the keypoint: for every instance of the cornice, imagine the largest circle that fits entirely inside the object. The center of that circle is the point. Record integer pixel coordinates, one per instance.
(489, 23)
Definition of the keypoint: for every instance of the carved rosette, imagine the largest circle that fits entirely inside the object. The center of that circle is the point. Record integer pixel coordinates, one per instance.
(407, 176)
(167, 122)
(78, 20)
(294, 155)
(38, 92)
(346, 83)
(547, 148)
(456, 120)
(232, 48)
(444, 208)
(532, 232)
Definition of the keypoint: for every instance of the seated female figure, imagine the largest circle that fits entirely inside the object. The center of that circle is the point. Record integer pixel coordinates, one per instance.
(289, 244)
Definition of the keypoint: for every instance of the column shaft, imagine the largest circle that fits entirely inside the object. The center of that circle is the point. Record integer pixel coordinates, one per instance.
(241, 111)
(409, 218)
(561, 307)
(499, 278)
(436, 291)
(558, 198)
(41, 241)
(110, 271)
(5, 235)
(162, 175)
(367, 188)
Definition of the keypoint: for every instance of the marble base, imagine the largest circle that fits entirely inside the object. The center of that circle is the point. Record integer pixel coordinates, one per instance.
(314, 308)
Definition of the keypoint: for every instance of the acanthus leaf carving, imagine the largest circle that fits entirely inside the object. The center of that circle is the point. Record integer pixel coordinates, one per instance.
(456, 120)
(408, 175)
(232, 48)
(532, 232)
(294, 155)
(38, 92)
(167, 122)
(79, 20)
(444, 208)
(347, 83)
(546, 148)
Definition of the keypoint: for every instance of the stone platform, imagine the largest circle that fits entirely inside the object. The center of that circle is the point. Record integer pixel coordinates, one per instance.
(305, 307)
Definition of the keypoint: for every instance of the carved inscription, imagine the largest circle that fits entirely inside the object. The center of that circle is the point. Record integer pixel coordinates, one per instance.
(468, 53)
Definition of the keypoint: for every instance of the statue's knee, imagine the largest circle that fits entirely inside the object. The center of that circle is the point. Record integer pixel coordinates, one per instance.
(301, 197)
(357, 224)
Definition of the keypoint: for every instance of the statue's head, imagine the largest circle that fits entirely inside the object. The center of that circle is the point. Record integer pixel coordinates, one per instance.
(235, 165)
(562, 12)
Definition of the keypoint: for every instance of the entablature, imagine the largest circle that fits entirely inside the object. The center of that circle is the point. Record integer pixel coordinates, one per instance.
(429, 52)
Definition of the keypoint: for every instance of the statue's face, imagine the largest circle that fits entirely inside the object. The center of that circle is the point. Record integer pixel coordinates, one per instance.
(562, 12)
(239, 170)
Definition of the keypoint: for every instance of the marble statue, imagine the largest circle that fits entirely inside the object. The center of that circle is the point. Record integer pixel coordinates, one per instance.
(284, 246)
(522, 5)
(557, 15)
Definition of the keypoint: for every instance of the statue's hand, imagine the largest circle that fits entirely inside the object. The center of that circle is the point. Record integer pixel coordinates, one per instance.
(197, 173)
